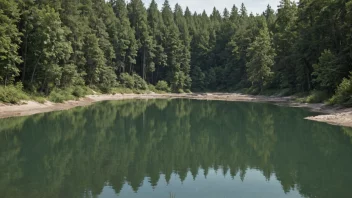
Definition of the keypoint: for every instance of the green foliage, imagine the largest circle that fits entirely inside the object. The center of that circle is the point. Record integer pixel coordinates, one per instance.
(10, 40)
(139, 83)
(162, 86)
(152, 88)
(127, 80)
(48, 48)
(70, 93)
(325, 72)
(121, 90)
(81, 91)
(60, 95)
(314, 96)
(38, 99)
(343, 94)
(133, 82)
(261, 55)
(12, 94)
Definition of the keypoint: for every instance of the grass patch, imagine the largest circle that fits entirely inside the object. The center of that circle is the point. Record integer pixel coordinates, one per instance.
(70, 93)
(12, 94)
(61, 95)
(121, 90)
(38, 99)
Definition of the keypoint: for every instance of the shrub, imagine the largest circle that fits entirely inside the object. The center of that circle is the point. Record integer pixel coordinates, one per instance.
(81, 91)
(139, 83)
(188, 91)
(152, 88)
(39, 99)
(180, 91)
(127, 80)
(12, 94)
(122, 90)
(162, 86)
(317, 97)
(60, 95)
(343, 93)
(314, 97)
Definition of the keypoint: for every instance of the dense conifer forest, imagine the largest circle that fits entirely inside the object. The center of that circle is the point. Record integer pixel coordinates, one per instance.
(51, 46)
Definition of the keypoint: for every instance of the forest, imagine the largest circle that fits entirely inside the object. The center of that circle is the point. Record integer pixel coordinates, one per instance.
(69, 47)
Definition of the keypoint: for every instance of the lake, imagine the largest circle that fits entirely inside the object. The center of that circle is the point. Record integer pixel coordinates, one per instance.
(174, 148)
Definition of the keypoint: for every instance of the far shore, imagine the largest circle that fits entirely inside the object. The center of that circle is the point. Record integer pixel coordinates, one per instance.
(332, 115)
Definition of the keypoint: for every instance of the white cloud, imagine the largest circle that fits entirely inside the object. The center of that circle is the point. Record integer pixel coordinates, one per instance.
(255, 6)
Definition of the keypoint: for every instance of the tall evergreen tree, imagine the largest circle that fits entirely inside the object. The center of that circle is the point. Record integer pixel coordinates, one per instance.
(261, 59)
(138, 18)
(173, 49)
(185, 38)
(125, 44)
(156, 27)
(285, 35)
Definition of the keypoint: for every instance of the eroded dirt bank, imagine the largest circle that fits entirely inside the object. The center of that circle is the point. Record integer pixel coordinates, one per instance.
(332, 115)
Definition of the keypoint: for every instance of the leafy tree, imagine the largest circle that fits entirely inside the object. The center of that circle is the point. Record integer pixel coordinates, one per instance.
(10, 40)
(48, 48)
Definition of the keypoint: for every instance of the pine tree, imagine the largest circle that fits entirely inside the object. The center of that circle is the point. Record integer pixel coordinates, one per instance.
(185, 38)
(99, 52)
(284, 38)
(243, 11)
(270, 17)
(125, 44)
(156, 27)
(261, 59)
(78, 24)
(138, 18)
(326, 72)
(173, 49)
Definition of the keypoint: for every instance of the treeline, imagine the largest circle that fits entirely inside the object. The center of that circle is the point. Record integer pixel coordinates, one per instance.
(304, 46)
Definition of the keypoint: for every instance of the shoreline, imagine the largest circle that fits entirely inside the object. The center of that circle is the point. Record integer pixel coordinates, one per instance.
(331, 115)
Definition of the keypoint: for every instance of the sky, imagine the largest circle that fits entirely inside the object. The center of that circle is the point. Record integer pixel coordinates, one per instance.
(255, 6)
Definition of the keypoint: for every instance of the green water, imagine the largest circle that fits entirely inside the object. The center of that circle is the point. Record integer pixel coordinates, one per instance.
(193, 149)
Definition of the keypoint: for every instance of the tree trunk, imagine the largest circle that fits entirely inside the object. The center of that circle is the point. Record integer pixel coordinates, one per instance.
(35, 67)
(144, 74)
(7, 72)
(25, 59)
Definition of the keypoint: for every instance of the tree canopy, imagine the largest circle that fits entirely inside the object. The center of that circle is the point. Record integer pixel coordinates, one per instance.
(303, 46)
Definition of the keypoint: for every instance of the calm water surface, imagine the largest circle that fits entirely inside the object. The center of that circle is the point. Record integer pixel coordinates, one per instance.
(193, 149)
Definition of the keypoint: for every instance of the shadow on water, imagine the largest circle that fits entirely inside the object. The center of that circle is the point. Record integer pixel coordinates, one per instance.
(76, 153)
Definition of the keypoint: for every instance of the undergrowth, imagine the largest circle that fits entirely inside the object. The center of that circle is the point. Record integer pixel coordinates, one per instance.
(313, 97)
(13, 94)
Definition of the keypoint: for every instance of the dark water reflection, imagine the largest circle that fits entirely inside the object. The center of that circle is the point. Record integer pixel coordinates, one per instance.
(149, 148)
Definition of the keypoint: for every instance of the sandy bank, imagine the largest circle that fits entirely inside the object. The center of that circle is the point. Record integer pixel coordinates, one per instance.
(332, 115)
